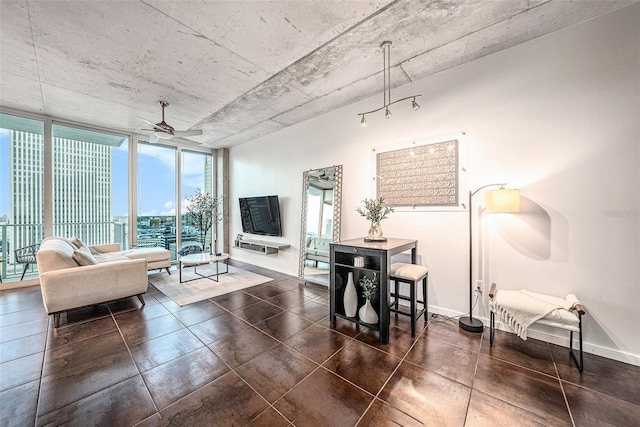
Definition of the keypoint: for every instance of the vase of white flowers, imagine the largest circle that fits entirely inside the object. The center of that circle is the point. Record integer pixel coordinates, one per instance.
(375, 211)
(367, 313)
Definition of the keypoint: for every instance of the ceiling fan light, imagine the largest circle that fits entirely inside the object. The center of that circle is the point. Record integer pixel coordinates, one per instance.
(162, 134)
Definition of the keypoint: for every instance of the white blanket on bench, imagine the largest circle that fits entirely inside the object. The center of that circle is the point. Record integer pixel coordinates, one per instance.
(520, 309)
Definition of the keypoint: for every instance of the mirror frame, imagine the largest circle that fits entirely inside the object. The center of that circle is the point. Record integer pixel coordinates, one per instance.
(337, 203)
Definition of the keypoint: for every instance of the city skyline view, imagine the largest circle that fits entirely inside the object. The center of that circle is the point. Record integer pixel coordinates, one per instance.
(156, 183)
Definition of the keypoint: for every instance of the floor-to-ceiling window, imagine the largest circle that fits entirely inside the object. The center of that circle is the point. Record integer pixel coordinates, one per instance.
(71, 180)
(90, 185)
(21, 192)
(196, 192)
(156, 194)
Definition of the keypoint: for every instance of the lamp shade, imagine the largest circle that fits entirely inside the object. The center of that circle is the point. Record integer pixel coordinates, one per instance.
(503, 200)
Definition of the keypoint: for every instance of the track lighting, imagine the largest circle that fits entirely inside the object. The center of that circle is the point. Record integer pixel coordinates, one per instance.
(386, 56)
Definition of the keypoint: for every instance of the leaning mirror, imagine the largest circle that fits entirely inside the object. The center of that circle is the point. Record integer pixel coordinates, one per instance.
(320, 225)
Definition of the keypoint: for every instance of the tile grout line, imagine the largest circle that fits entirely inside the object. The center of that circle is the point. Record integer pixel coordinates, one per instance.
(473, 379)
(223, 361)
(564, 394)
(81, 398)
(319, 365)
(134, 363)
(391, 376)
(44, 352)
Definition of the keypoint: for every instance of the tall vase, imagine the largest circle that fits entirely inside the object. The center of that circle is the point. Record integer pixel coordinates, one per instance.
(350, 298)
(368, 314)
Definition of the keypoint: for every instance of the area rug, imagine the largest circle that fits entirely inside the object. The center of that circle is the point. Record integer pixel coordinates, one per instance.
(202, 288)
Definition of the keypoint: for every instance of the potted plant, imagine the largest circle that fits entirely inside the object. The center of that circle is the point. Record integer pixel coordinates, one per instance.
(375, 211)
(369, 286)
(204, 210)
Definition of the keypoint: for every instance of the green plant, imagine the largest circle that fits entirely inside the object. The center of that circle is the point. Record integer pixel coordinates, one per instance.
(369, 286)
(204, 210)
(374, 209)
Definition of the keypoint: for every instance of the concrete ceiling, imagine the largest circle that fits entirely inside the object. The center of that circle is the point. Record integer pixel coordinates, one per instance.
(239, 70)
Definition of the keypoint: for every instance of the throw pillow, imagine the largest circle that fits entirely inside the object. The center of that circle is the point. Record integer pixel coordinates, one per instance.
(69, 242)
(80, 245)
(84, 258)
(77, 242)
(85, 250)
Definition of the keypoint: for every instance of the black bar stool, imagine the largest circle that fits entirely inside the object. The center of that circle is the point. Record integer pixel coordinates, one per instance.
(411, 274)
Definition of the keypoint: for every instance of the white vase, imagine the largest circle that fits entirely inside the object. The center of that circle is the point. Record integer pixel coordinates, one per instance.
(350, 298)
(368, 314)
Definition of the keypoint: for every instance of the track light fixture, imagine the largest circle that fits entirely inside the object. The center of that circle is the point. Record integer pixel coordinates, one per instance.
(386, 56)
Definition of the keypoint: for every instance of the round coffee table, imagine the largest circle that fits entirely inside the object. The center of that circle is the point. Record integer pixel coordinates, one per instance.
(194, 260)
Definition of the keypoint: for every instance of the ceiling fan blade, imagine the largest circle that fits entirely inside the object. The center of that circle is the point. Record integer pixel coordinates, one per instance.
(147, 121)
(188, 142)
(195, 132)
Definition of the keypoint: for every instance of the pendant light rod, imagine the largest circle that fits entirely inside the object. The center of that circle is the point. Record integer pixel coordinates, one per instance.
(386, 69)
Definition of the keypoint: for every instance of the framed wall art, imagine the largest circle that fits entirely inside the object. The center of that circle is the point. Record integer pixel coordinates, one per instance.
(424, 174)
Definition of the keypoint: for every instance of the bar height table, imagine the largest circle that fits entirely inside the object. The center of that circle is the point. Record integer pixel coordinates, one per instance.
(377, 259)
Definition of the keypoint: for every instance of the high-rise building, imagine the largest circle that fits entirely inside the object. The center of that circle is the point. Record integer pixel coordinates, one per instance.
(82, 203)
(26, 190)
(82, 186)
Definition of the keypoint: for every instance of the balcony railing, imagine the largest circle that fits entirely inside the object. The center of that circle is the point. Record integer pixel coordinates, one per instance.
(13, 237)
(16, 236)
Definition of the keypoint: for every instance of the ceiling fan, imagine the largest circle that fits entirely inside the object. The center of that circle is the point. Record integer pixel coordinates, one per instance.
(163, 130)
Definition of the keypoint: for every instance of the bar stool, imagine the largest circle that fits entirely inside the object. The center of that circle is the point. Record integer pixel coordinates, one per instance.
(411, 274)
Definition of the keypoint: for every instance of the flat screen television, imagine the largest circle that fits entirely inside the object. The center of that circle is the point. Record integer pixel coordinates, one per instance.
(261, 215)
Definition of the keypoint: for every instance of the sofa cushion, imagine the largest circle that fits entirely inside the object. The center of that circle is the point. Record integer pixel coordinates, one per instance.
(83, 258)
(150, 254)
(110, 257)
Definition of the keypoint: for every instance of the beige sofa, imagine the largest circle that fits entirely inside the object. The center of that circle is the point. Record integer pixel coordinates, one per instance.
(72, 277)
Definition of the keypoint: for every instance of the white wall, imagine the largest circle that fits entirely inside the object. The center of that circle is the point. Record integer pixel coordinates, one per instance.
(557, 117)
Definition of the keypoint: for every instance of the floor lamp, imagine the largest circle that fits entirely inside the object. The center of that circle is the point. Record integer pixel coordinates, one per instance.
(501, 200)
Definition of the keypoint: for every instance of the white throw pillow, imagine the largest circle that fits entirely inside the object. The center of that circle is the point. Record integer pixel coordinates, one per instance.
(84, 257)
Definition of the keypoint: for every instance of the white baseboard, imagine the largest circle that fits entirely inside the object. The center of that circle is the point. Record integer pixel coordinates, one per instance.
(561, 339)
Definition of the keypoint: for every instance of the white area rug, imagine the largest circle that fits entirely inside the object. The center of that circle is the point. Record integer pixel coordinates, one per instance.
(198, 290)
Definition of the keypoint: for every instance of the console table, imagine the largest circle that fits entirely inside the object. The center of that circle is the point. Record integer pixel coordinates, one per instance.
(377, 259)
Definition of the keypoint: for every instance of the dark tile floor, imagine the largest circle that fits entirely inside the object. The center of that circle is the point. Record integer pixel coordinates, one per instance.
(269, 356)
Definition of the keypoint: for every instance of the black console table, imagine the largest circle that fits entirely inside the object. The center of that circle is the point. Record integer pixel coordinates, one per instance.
(377, 259)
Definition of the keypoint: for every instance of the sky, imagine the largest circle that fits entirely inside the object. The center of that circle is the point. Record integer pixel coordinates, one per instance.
(156, 182)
